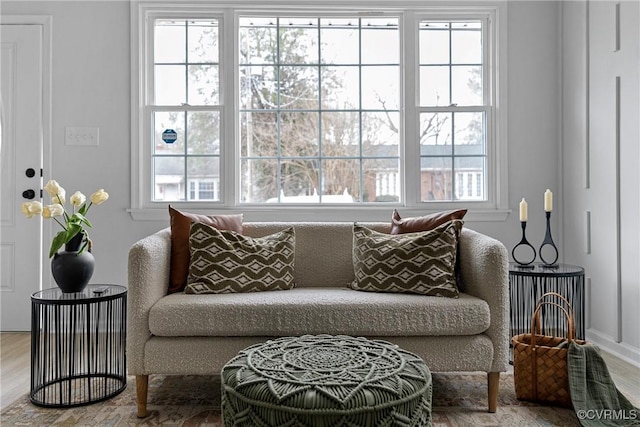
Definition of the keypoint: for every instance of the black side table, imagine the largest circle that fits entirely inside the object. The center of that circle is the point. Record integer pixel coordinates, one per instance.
(78, 345)
(528, 284)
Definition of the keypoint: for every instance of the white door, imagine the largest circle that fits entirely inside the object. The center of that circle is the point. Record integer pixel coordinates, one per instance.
(21, 128)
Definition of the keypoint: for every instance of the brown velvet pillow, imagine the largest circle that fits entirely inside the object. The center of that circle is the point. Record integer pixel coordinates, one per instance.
(180, 230)
(423, 223)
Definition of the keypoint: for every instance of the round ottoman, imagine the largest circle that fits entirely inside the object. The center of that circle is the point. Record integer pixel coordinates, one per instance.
(325, 380)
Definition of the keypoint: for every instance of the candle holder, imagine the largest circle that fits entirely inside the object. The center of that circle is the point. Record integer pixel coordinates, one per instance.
(524, 243)
(548, 241)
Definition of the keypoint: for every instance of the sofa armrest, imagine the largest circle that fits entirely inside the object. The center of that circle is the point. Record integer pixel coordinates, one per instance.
(148, 271)
(484, 267)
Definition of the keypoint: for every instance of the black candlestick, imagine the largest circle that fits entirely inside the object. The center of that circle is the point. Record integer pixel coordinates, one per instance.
(524, 242)
(548, 241)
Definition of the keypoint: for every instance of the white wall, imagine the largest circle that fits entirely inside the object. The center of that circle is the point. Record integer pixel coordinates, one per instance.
(91, 87)
(601, 177)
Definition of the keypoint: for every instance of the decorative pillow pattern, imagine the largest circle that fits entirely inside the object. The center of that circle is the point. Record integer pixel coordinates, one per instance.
(423, 223)
(180, 228)
(420, 263)
(228, 262)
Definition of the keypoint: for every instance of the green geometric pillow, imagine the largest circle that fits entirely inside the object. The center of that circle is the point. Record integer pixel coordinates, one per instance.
(420, 263)
(226, 262)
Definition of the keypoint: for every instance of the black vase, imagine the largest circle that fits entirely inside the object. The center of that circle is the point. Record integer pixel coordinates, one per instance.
(72, 270)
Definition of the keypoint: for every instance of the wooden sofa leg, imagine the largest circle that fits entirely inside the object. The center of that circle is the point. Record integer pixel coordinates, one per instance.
(493, 385)
(142, 386)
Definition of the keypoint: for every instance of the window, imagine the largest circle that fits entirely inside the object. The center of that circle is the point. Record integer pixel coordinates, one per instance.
(319, 106)
(247, 109)
(184, 108)
(453, 105)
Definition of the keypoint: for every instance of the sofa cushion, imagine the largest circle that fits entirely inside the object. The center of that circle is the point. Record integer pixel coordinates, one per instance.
(180, 228)
(401, 225)
(317, 310)
(226, 261)
(421, 263)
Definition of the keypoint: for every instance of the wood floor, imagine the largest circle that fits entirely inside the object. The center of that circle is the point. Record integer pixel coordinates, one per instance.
(15, 374)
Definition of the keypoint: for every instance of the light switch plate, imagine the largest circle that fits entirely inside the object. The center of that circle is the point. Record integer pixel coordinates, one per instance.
(82, 136)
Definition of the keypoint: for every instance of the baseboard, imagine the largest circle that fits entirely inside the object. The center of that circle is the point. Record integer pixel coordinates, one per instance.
(620, 350)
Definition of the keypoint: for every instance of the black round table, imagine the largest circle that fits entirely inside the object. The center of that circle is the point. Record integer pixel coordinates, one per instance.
(527, 284)
(78, 345)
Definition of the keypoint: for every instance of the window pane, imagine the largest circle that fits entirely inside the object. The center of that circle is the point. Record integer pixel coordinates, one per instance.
(381, 88)
(434, 86)
(258, 134)
(470, 170)
(203, 42)
(298, 87)
(469, 134)
(435, 178)
(340, 181)
(380, 41)
(168, 178)
(258, 87)
(166, 121)
(340, 42)
(466, 47)
(380, 134)
(340, 88)
(171, 86)
(434, 46)
(381, 180)
(203, 169)
(436, 131)
(260, 181)
(340, 134)
(204, 85)
(203, 132)
(258, 40)
(466, 88)
(299, 180)
(299, 134)
(169, 41)
(298, 41)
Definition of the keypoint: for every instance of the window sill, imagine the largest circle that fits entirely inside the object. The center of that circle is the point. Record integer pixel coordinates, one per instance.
(312, 213)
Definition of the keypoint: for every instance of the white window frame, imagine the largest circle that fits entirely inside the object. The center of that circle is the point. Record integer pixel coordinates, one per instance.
(495, 208)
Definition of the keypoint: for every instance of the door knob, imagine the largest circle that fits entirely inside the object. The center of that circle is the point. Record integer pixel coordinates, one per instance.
(30, 173)
(29, 194)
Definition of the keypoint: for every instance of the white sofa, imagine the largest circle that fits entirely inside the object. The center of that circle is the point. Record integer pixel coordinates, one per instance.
(197, 334)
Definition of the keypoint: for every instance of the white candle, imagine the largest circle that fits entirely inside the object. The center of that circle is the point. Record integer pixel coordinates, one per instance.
(524, 210)
(548, 201)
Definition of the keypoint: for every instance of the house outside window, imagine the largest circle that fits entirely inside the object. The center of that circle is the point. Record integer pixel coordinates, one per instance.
(299, 106)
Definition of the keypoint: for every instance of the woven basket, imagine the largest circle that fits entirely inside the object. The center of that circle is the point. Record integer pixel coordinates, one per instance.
(539, 362)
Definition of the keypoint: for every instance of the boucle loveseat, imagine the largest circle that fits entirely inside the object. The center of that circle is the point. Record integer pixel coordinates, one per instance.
(185, 334)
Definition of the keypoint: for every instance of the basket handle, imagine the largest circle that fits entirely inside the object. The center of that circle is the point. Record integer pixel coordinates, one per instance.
(535, 321)
(560, 297)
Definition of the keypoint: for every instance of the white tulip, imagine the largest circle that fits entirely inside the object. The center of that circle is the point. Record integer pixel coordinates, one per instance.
(99, 197)
(77, 199)
(53, 210)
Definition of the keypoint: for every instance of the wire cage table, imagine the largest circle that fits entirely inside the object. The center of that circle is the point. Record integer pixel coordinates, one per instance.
(78, 345)
(528, 284)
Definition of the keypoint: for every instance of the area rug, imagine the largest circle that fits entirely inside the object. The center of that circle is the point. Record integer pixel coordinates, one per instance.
(190, 401)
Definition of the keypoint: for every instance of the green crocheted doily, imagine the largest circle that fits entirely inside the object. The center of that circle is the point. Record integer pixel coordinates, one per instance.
(326, 380)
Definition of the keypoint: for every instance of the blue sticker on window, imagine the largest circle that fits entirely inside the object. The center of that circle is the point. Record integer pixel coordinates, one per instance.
(169, 136)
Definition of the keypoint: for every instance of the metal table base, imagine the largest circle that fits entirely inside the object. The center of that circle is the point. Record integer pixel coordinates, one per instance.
(78, 345)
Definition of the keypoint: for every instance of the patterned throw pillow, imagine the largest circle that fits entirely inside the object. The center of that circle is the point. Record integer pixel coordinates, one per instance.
(225, 261)
(420, 263)
(180, 229)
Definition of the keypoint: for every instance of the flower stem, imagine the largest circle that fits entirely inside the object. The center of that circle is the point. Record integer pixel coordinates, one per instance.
(61, 225)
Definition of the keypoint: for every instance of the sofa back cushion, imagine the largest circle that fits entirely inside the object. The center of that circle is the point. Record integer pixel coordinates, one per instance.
(323, 249)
